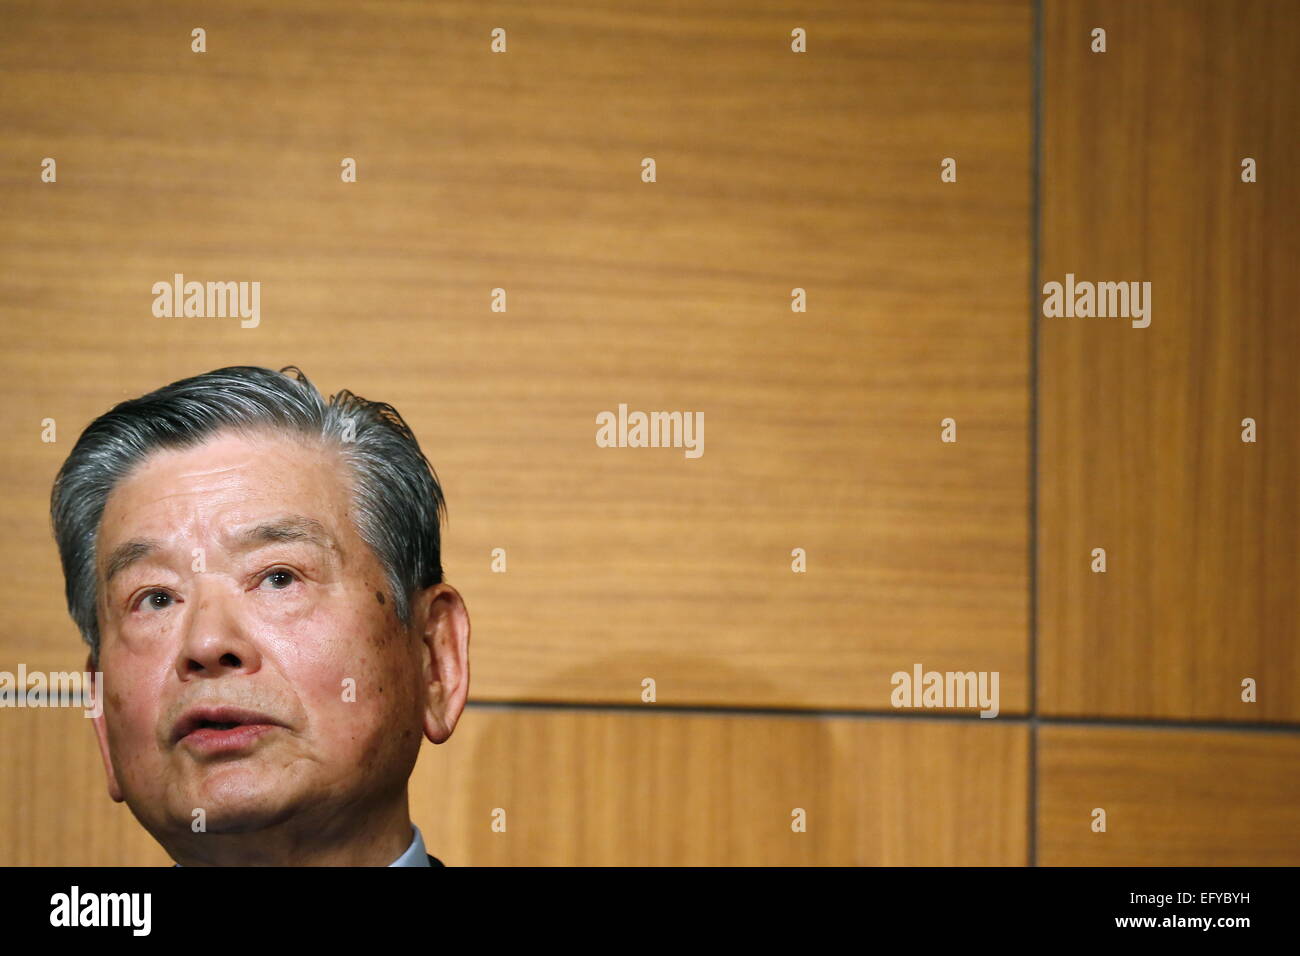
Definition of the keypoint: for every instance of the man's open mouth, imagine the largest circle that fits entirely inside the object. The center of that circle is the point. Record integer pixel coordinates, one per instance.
(218, 724)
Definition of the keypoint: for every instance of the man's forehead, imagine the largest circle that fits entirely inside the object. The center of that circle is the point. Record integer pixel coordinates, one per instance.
(232, 489)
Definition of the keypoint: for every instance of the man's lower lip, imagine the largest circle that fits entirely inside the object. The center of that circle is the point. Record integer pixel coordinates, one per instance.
(212, 740)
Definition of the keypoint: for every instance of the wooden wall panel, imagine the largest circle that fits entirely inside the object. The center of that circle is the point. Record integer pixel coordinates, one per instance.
(774, 171)
(1140, 428)
(521, 171)
(54, 804)
(595, 788)
(1172, 797)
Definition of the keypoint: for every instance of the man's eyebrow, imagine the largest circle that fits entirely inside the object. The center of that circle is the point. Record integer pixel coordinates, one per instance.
(288, 528)
(127, 554)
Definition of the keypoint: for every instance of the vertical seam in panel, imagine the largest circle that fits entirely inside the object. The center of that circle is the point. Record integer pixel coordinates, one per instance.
(1035, 244)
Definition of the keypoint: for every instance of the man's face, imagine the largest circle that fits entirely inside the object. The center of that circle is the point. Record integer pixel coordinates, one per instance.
(241, 581)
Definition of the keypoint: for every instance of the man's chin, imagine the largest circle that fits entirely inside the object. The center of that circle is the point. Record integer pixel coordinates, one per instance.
(245, 817)
(232, 801)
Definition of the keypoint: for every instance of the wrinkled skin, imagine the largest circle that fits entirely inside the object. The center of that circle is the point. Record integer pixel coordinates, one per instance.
(279, 623)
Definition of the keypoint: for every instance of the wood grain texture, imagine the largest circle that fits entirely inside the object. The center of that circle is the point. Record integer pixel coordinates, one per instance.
(1140, 429)
(1172, 797)
(775, 171)
(521, 171)
(54, 804)
(591, 788)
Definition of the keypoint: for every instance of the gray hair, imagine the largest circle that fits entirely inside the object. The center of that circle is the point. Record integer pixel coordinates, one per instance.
(399, 502)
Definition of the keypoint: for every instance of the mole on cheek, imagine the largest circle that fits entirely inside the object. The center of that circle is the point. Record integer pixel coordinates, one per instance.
(379, 597)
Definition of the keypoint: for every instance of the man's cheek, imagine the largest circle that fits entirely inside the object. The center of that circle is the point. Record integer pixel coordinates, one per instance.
(346, 677)
(133, 748)
(347, 727)
(346, 691)
(127, 716)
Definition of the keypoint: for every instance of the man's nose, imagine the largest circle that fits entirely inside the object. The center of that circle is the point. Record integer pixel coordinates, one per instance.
(215, 639)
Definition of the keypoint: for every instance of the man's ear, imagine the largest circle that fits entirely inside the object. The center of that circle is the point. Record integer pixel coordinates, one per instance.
(101, 732)
(442, 624)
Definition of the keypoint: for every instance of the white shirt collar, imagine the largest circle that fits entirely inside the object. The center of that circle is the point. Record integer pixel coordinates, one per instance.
(415, 854)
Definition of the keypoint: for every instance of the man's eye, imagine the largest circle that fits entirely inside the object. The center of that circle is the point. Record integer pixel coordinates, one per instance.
(155, 601)
(280, 579)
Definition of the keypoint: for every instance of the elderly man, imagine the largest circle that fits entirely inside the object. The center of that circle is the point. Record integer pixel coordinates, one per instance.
(258, 574)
